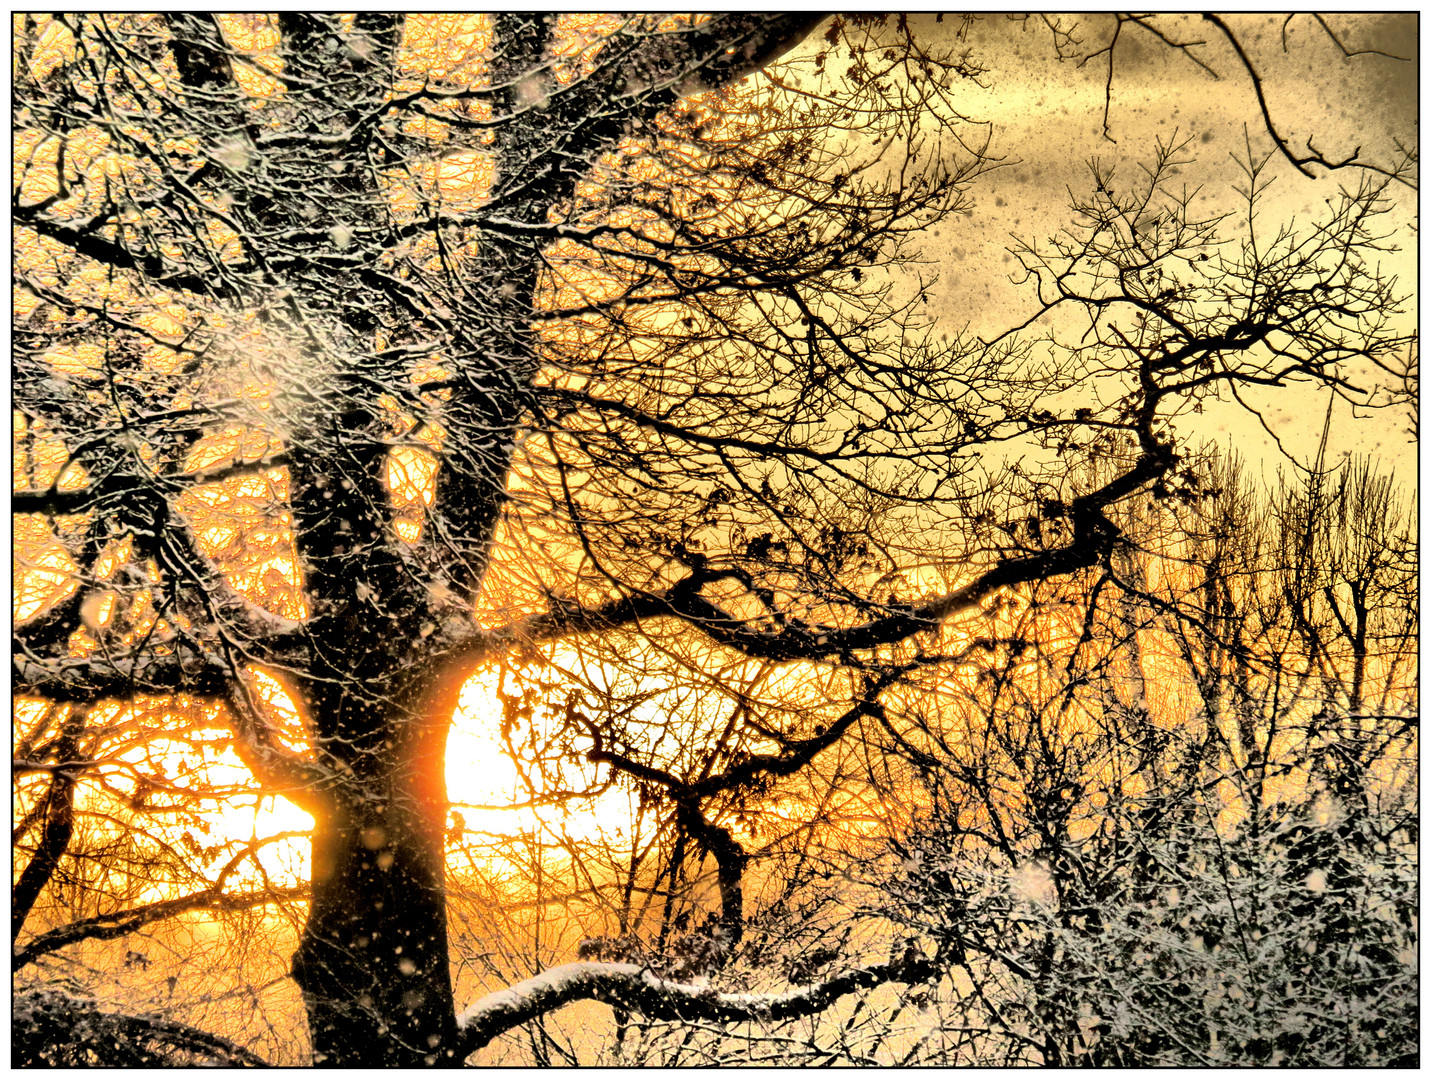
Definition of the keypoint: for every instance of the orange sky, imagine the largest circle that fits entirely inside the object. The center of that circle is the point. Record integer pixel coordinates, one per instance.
(1048, 119)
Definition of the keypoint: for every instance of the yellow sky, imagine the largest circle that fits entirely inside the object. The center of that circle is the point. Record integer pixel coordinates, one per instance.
(1048, 117)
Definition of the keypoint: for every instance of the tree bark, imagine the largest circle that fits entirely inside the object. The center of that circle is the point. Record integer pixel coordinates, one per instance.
(373, 962)
(59, 818)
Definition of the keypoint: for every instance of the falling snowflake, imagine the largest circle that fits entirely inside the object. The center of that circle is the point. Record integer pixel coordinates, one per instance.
(1032, 882)
(234, 155)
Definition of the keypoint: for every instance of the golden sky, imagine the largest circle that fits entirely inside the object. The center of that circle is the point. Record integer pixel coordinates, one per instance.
(1048, 117)
(1048, 121)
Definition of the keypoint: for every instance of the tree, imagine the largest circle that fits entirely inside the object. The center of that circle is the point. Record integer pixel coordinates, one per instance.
(1172, 836)
(313, 334)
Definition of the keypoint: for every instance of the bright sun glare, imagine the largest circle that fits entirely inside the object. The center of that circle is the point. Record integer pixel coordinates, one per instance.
(486, 787)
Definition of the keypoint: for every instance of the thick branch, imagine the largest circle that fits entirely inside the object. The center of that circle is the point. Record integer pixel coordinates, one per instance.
(281, 771)
(730, 860)
(714, 839)
(86, 680)
(1093, 536)
(59, 817)
(94, 1037)
(630, 986)
(85, 241)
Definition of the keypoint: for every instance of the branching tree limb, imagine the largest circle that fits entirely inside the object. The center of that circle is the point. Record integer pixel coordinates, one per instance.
(633, 987)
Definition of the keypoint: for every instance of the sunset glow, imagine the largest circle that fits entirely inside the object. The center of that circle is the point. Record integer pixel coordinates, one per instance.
(733, 539)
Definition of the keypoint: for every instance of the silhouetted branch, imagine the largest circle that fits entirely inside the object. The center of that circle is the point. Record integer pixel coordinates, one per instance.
(120, 923)
(1312, 157)
(59, 821)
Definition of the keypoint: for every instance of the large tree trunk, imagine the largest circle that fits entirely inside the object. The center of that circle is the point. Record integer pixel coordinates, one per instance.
(373, 959)
(373, 962)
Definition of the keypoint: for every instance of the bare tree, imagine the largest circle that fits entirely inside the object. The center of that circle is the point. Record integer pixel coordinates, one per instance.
(353, 371)
(1170, 835)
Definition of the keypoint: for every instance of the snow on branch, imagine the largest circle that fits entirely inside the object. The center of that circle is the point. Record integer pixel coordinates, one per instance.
(51, 1027)
(639, 989)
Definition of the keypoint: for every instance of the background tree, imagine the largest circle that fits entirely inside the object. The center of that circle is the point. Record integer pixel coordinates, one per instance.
(1170, 836)
(356, 370)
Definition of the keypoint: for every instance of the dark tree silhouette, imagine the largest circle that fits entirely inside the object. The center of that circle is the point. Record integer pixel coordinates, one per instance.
(346, 373)
(1172, 835)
